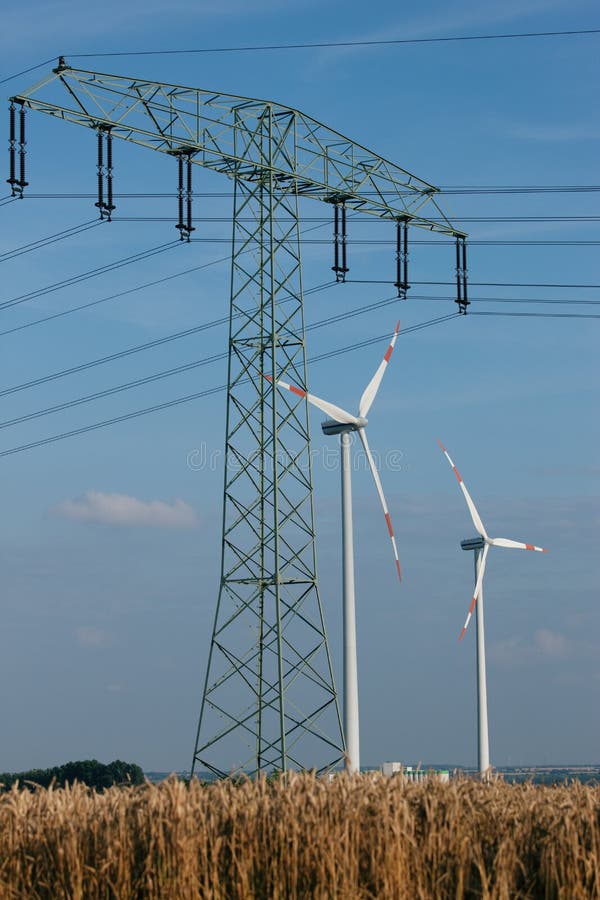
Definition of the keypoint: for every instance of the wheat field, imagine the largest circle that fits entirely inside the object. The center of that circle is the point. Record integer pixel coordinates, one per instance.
(302, 837)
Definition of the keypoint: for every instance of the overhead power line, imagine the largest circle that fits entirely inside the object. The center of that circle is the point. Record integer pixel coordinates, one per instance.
(167, 339)
(519, 284)
(50, 239)
(467, 189)
(42, 243)
(166, 373)
(318, 45)
(115, 296)
(536, 315)
(373, 220)
(118, 294)
(207, 360)
(147, 284)
(214, 390)
(92, 273)
(312, 45)
(45, 62)
(207, 392)
(521, 189)
(383, 242)
(223, 320)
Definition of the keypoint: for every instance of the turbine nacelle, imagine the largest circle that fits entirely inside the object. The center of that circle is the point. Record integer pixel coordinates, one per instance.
(477, 543)
(332, 426)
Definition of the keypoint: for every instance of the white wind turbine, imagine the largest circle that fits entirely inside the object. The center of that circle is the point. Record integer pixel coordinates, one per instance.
(481, 548)
(342, 423)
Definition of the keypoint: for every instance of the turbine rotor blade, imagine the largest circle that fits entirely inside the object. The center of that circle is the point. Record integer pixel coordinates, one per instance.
(377, 481)
(472, 508)
(517, 545)
(373, 386)
(336, 412)
(477, 590)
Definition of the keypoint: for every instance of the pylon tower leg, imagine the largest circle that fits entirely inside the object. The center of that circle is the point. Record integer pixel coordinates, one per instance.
(269, 701)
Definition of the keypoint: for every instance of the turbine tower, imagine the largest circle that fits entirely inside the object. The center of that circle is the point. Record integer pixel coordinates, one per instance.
(269, 699)
(481, 546)
(344, 423)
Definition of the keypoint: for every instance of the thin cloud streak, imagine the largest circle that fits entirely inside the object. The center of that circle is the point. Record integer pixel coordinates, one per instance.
(544, 646)
(457, 21)
(90, 636)
(552, 133)
(122, 509)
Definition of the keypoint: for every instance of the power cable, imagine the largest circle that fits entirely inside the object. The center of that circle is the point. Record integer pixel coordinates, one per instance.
(158, 342)
(520, 189)
(444, 189)
(524, 284)
(46, 62)
(177, 370)
(505, 220)
(205, 393)
(220, 356)
(311, 46)
(473, 242)
(536, 315)
(92, 273)
(93, 303)
(319, 45)
(50, 239)
(102, 270)
(520, 300)
(125, 292)
(205, 326)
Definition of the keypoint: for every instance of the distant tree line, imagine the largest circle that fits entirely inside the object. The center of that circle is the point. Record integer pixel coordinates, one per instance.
(87, 771)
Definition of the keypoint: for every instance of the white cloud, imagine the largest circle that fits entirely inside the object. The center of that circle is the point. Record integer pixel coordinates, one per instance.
(545, 645)
(121, 509)
(551, 644)
(88, 636)
(447, 20)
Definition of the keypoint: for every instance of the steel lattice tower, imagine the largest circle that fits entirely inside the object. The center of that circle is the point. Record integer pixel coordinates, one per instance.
(269, 677)
(269, 700)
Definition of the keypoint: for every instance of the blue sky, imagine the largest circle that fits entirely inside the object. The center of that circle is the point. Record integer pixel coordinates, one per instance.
(110, 541)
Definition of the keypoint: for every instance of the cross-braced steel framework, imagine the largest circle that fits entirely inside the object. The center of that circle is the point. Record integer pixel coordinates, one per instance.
(269, 700)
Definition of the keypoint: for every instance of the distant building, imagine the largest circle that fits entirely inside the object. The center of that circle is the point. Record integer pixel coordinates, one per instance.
(414, 774)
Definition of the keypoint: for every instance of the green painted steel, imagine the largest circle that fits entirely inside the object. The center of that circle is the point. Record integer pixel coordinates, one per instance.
(269, 700)
(214, 128)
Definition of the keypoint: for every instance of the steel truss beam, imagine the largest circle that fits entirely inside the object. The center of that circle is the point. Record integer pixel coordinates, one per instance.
(215, 129)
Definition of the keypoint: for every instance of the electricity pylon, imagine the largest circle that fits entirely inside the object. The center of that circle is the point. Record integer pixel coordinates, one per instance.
(269, 700)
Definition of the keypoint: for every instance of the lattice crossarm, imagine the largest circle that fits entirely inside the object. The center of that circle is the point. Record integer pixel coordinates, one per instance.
(223, 132)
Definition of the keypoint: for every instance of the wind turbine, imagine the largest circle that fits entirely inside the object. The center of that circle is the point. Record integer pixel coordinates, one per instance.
(342, 423)
(481, 546)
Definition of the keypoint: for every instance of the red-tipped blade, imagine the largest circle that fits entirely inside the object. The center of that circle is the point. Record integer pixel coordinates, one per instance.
(472, 508)
(336, 412)
(373, 386)
(478, 584)
(517, 545)
(377, 481)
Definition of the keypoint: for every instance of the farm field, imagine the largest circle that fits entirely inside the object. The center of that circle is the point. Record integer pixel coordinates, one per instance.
(300, 836)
